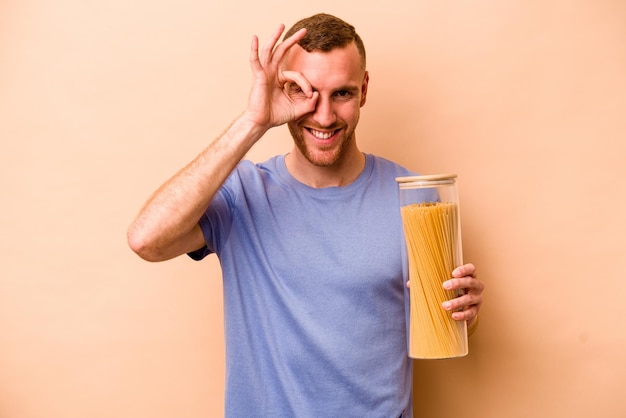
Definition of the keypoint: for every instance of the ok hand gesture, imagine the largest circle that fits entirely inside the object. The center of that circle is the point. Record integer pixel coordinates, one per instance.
(269, 104)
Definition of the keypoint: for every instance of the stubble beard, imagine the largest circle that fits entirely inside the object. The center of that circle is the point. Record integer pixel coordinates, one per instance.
(322, 157)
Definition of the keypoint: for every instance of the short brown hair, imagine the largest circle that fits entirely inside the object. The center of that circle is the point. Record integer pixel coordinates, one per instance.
(325, 32)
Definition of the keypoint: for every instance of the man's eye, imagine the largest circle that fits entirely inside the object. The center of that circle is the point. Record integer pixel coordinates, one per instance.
(343, 93)
(294, 89)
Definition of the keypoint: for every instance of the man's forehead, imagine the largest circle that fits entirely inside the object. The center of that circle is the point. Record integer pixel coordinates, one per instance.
(338, 68)
(297, 55)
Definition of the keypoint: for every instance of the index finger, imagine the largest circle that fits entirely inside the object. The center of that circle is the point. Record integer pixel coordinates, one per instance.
(465, 270)
(297, 79)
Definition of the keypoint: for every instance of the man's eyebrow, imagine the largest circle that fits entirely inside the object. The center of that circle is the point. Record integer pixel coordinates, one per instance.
(351, 89)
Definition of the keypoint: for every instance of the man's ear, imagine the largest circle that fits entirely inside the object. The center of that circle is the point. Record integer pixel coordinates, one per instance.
(366, 80)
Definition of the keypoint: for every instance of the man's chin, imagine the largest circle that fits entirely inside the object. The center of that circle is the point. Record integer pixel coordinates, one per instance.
(321, 158)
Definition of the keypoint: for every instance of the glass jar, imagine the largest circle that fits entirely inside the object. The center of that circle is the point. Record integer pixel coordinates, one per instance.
(432, 230)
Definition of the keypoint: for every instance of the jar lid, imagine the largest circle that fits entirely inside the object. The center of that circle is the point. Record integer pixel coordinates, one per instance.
(426, 181)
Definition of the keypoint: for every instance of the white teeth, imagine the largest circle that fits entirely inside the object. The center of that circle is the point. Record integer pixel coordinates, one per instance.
(322, 135)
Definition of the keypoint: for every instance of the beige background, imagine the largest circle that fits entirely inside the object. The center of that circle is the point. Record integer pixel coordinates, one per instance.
(100, 101)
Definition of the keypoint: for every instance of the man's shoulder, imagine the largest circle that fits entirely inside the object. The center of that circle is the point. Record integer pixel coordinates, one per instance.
(249, 169)
(389, 167)
(250, 166)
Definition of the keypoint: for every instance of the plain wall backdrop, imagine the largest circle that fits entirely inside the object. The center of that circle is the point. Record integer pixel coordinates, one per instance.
(101, 101)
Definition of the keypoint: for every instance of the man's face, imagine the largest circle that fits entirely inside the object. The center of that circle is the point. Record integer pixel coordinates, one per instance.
(326, 135)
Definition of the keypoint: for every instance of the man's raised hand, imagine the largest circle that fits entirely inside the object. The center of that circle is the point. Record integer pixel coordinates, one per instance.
(269, 103)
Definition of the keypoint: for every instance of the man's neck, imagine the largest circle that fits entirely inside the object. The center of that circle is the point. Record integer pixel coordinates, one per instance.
(342, 173)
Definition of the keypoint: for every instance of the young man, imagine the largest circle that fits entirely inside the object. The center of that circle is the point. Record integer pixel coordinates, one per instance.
(309, 242)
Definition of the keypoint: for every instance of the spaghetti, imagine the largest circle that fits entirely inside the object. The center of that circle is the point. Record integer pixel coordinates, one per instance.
(431, 233)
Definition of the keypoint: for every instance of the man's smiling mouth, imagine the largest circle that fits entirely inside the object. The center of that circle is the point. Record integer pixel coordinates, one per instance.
(322, 134)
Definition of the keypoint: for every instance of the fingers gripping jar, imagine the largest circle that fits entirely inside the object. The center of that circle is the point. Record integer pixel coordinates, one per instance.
(432, 231)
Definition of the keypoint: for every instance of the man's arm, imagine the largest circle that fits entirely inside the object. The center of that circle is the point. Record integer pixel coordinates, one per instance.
(167, 225)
